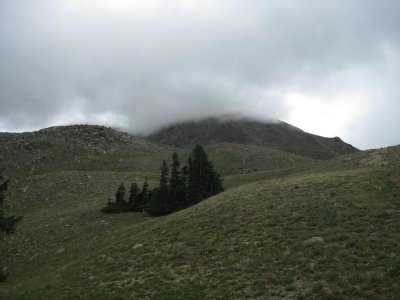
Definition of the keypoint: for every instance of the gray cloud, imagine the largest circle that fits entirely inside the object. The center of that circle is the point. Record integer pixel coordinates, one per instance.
(144, 66)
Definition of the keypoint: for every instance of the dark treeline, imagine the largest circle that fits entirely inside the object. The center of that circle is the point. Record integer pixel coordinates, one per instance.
(179, 187)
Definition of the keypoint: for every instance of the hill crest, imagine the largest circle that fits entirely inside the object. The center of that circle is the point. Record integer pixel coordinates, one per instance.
(276, 135)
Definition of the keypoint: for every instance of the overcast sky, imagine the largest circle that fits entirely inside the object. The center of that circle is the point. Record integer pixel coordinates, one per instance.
(329, 67)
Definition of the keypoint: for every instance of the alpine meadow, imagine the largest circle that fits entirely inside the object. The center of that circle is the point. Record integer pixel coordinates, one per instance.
(286, 226)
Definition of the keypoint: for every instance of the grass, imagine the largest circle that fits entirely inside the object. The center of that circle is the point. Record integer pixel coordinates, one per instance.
(234, 159)
(244, 243)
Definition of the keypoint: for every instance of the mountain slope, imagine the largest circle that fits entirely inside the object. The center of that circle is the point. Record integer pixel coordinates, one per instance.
(233, 159)
(248, 242)
(280, 136)
(78, 147)
(98, 148)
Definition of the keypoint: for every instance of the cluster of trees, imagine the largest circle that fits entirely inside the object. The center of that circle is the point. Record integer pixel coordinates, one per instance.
(137, 200)
(179, 187)
(7, 224)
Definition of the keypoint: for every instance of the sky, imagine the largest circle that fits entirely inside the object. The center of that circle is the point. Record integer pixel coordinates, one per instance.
(331, 68)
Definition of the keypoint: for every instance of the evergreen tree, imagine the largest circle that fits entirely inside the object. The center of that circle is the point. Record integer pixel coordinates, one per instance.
(159, 203)
(191, 183)
(144, 196)
(120, 194)
(137, 200)
(203, 180)
(177, 185)
(184, 187)
(134, 197)
(215, 181)
(163, 188)
(175, 178)
(153, 206)
(7, 224)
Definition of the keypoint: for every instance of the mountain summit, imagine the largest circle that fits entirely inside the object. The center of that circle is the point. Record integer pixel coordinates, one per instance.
(278, 135)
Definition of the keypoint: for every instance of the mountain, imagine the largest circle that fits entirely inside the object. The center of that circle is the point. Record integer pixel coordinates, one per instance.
(280, 136)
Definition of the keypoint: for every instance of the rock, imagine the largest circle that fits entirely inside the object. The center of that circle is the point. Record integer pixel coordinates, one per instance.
(61, 250)
(33, 256)
(137, 246)
(314, 240)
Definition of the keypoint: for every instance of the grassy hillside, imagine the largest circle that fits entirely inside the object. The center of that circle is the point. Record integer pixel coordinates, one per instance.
(98, 148)
(247, 243)
(78, 147)
(363, 159)
(231, 159)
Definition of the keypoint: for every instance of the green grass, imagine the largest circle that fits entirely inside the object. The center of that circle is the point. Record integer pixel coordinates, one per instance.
(233, 159)
(244, 243)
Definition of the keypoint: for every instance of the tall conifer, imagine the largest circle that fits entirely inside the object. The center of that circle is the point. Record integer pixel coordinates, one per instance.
(203, 180)
(120, 194)
(134, 197)
(159, 202)
(144, 195)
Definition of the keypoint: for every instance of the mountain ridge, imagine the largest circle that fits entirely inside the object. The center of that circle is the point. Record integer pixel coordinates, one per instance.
(276, 135)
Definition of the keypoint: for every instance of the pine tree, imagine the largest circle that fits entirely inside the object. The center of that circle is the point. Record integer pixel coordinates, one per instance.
(177, 185)
(7, 224)
(134, 197)
(186, 186)
(203, 180)
(163, 188)
(120, 194)
(144, 196)
(215, 180)
(175, 178)
(153, 206)
(159, 202)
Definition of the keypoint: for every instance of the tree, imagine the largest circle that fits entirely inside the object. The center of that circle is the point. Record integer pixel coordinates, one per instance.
(137, 200)
(134, 197)
(159, 203)
(175, 178)
(163, 188)
(7, 224)
(153, 207)
(184, 187)
(203, 180)
(144, 196)
(120, 194)
(177, 184)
